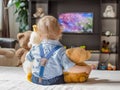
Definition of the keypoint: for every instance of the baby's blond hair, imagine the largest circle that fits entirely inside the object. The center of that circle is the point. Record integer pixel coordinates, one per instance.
(49, 28)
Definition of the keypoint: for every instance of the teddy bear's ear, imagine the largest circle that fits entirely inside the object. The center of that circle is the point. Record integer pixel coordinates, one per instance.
(20, 35)
(78, 55)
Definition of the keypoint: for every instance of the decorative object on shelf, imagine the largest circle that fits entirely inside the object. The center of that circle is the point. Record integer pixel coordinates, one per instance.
(113, 47)
(111, 67)
(103, 65)
(109, 12)
(108, 33)
(105, 46)
(109, 26)
(39, 13)
(93, 64)
(83, 46)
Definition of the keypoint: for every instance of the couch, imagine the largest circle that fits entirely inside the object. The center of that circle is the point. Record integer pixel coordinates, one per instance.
(8, 44)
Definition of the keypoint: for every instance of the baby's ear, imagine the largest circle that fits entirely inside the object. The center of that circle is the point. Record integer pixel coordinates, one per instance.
(78, 54)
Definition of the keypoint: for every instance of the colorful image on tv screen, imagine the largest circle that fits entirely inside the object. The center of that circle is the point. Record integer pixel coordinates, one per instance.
(76, 22)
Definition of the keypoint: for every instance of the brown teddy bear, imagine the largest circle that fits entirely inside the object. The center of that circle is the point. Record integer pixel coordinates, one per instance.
(78, 56)
(33, 41)
(26, 39)
(23, 39)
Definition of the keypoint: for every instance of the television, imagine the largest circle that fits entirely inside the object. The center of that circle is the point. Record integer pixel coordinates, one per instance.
(76, 22)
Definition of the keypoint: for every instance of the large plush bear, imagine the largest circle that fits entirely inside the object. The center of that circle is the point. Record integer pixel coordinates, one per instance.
(23, 39)
(33, 40)
(77, 55)
(26, 40)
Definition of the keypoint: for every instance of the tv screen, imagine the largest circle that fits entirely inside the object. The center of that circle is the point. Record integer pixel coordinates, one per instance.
(76, 22)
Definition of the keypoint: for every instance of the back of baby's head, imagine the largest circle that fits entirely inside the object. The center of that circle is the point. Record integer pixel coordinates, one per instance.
(49, 27)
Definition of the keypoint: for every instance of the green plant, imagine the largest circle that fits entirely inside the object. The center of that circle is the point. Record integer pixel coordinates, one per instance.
(22, 13)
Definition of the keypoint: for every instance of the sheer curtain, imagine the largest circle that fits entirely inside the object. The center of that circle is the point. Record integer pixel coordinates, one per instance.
(0, 15)
(5, 19)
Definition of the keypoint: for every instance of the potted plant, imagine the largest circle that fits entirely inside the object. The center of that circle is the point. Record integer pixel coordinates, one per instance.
(22, 13)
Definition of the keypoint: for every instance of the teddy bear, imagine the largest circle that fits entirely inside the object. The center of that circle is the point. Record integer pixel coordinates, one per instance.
(109, 12)
(77, 55)
(33, 40)
(34, 37)
(39, 13)
(23, 39)
(111, 67)
(26, 40)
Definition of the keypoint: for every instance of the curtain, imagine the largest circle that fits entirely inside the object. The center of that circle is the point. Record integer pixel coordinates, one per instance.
(5, 19)
(0, 15)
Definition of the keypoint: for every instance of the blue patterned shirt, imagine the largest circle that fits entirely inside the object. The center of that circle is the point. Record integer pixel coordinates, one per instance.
(56, 63)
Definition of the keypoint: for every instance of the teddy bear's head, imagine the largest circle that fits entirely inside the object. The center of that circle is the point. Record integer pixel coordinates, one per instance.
(23, 39)
(81, 55)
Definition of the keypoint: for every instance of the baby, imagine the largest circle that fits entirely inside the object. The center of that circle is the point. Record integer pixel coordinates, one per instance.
(48, 57)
